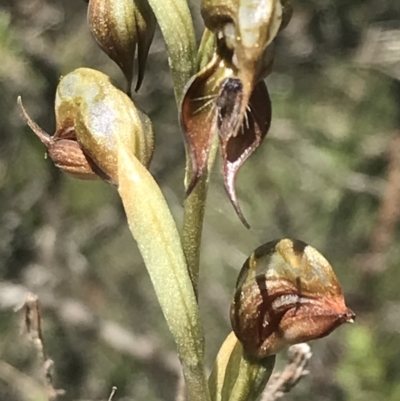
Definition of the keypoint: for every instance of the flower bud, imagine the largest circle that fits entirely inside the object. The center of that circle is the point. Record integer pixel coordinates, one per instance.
(297, 298)
(118, 26)
(91, 117)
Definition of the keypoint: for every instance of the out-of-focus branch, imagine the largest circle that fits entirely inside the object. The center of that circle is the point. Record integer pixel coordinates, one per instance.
(143, 348)
(380, 48)
(282, 382)
(353, 181)
(388, 215)
(26, 387)
(33, 326)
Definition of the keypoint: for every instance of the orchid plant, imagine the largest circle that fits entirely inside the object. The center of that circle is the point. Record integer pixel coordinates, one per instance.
(286, 291)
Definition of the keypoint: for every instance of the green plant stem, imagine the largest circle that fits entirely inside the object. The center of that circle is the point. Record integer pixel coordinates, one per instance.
(154, 229)
(206, 49)
(194, 209)
(195, 203)
(193, 217)
(176, 25)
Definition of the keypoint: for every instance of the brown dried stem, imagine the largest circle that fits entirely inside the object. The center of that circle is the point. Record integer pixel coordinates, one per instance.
(282, 382)
(25, 386)
(33, 326)
(113, 390)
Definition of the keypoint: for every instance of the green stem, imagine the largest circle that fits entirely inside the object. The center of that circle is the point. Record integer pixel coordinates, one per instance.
(194, 209)
(193, 217)
(195, 203)
(176, 25)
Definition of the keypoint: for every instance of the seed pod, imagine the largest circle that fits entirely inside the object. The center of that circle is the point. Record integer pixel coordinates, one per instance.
(91, 116)
(118, 26)
(297, 298)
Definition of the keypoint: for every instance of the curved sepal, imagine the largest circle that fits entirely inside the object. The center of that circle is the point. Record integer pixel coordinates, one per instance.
(199, 114)
(64, 150)
(146, 26)
(237, 143)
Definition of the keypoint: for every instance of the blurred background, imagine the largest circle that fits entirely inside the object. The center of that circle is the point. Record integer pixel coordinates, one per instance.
(328, 173)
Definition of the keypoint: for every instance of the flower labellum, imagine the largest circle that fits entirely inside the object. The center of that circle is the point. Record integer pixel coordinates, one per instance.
(297, 298)
(91, 117)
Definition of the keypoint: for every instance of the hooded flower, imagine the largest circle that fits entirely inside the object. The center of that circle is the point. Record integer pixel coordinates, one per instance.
(228, 97)
(297, 298)
(92, 118)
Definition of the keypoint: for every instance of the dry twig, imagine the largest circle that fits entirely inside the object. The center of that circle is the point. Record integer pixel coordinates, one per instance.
(146, 348)
(33, 325)
(282, 382)
(113, 390)
(26, 387)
